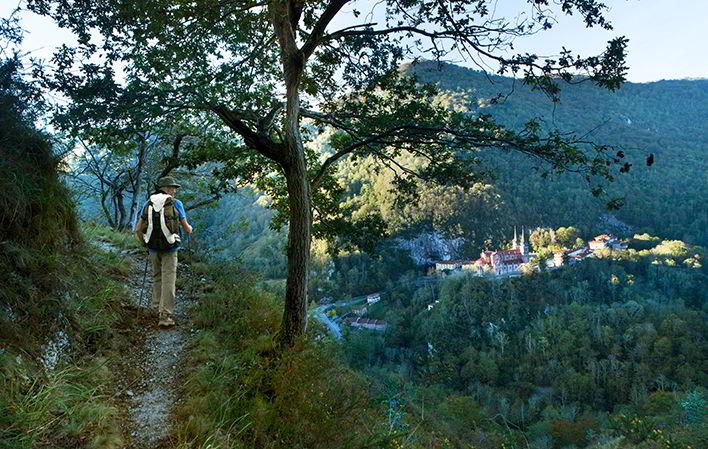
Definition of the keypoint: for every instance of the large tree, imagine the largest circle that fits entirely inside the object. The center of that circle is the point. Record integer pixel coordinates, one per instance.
(277, 72)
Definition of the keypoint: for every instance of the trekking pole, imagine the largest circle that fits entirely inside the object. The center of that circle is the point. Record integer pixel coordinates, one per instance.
(142, 288)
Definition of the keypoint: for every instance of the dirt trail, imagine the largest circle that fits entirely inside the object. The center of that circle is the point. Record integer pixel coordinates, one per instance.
(152, 368)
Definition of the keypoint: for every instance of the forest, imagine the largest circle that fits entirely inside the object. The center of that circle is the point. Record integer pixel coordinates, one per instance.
(664, 199)
(578, 356)
(658, 118)
(325, 171)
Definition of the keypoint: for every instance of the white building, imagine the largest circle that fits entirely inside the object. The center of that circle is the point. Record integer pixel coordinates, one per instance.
(449, 265)
(603, 241)
(373, 298)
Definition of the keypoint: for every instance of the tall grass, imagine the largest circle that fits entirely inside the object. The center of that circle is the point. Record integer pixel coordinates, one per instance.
(37, 220)
(241, 391)
(50, 283)
(71, 406)
(65, 408)
(35, 208)
(123, 240)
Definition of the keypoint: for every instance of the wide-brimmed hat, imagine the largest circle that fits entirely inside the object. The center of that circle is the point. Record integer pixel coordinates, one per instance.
(167, 181)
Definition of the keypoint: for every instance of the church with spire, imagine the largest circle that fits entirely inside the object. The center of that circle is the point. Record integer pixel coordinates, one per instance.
(507, 261)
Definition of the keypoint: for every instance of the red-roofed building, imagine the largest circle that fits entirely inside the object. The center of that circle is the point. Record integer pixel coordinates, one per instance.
(497, 262)
(507, 261)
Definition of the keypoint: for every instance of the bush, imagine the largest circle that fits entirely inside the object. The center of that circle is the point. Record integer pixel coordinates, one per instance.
(37, 221)
(63, 409)
(570, 433)
(35, 208)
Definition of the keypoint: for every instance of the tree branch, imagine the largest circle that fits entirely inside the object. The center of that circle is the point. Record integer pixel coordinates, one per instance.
(318, 30)
(265, 124)
(348, 32)
(203, 202)
(348, 150)
(259, 142)
(173, 161)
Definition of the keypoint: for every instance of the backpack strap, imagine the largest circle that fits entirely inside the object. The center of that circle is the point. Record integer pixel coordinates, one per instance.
(148, 232)
(171, 238)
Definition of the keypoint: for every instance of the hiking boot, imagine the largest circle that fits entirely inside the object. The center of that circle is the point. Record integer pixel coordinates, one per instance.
(166, 322)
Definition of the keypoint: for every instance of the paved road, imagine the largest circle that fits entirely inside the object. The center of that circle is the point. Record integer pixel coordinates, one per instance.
(321, 315)
(324, 319)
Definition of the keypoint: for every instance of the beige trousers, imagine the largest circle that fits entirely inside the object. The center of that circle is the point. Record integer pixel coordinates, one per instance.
(164, 276)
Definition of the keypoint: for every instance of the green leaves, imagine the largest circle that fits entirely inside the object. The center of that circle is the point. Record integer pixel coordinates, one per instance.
(141, 65)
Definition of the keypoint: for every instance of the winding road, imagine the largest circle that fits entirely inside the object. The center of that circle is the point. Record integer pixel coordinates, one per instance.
(321, 315)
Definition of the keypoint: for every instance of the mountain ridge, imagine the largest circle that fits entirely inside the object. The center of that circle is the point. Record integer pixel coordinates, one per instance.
(662, 118)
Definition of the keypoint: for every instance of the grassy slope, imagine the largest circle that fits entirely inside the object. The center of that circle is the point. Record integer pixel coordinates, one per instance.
(73, 405)
(240, 391)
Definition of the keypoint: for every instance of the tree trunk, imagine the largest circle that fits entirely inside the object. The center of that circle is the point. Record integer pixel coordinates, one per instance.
(136, 184)
(285, 15)
(120, 205)
(294, 321)
(106, 211)
(114, 206)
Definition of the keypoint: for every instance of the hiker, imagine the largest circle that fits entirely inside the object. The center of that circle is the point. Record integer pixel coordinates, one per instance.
(158, 229)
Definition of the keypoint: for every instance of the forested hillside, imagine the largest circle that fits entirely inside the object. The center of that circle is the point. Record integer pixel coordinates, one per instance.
(610, 353)
(664, 118)
(312, 281)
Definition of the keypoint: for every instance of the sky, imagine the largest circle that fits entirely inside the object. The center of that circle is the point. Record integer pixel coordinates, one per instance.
(668, 39)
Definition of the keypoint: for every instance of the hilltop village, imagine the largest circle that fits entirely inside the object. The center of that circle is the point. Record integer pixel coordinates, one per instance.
(497, 263)
(512, 262)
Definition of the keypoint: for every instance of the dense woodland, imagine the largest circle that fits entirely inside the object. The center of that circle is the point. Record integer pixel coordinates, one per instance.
(665, 198)
(610, 353)
(569, 357)
(662, 118)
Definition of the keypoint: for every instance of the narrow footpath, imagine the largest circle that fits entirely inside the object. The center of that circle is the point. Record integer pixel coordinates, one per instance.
(150, 371)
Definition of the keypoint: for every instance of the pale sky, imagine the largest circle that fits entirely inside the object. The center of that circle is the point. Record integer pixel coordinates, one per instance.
(668, 39)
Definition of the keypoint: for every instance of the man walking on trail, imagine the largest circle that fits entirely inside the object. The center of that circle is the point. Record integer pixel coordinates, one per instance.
(158, 229)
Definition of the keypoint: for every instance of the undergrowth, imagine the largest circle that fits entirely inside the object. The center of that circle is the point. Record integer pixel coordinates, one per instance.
(62, 409)
(71, 404)
(241, 391)
(60, 299)
(97, 232)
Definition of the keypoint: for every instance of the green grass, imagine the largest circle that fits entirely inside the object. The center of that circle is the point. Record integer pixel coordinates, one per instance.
(71, 406)
(66, 407)
(98, 232)
(241, 391)
(50, 282)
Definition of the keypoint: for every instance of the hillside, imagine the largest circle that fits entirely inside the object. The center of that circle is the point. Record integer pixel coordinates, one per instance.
(666, 118)
(607, 354)
(240, 225)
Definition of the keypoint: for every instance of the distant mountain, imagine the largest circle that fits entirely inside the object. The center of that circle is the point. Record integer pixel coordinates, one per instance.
(666, 118)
